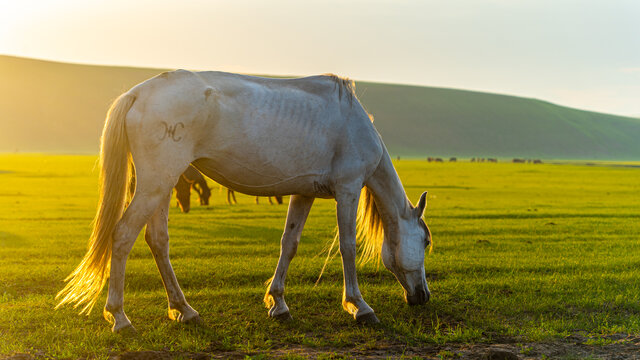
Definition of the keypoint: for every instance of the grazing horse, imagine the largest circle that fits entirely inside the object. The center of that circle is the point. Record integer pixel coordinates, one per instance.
(308, 137)
(231, 198)
(278, 200)
(191, 178)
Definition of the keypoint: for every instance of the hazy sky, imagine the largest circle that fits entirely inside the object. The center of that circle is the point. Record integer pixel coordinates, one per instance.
(577, 53)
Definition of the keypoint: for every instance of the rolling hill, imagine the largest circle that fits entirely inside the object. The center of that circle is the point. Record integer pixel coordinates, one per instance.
(59, 107)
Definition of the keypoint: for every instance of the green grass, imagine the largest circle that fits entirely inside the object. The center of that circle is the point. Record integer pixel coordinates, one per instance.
(530, 252)
(413, 120)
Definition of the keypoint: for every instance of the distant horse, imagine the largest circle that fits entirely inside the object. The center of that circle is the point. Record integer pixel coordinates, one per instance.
(278, 200)
(191, 178)
(307, 137)
(231, 198)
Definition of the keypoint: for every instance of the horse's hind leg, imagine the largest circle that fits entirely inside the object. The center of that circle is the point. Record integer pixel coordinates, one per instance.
(157, 237)
(142, 207)
(299, 207)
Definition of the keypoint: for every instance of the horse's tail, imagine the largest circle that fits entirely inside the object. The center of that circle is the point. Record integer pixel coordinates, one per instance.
(85, 283)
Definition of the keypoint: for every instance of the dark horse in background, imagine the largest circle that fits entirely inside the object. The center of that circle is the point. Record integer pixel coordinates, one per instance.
(231, 198)
(191, 179)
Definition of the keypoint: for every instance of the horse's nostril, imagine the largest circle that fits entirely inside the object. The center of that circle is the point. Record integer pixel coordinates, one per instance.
(419, 297)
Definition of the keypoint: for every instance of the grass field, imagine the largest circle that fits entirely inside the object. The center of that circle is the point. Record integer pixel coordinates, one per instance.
(530, 253)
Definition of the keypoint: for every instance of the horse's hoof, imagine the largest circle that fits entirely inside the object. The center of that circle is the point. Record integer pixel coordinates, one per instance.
(284, 317)
(195, 320)
(126, 331)
(368, 319)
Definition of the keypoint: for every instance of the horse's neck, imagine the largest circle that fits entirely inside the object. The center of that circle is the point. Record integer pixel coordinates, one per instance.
(389, 195)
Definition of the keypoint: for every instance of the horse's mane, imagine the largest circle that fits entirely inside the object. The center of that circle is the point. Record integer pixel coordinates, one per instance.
(345, 85)
(369, 230)
(348, 87)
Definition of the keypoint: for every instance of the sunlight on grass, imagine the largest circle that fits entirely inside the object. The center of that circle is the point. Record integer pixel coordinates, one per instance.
(532, 252)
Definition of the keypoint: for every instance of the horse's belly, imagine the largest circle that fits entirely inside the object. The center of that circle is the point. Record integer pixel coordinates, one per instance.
(264, 179)
(270, 142)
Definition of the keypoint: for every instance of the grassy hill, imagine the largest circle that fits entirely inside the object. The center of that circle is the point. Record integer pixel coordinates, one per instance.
(57, 107)
(426, 120)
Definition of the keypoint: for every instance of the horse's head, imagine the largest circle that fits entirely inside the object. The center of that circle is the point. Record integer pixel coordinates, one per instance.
(404, 255)
(204, 192)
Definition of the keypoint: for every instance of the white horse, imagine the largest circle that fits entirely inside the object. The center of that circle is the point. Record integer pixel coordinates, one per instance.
(307, 137)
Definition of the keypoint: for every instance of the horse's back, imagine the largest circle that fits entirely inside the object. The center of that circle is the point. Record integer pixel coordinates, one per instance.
(258, 135)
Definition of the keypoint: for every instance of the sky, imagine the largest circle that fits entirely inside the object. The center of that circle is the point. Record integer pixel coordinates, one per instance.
(577, 53)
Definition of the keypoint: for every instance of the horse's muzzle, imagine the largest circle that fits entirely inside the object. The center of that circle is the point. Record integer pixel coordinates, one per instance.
(419, 297)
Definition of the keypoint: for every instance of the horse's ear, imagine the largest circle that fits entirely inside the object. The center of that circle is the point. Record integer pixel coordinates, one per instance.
(422, 204)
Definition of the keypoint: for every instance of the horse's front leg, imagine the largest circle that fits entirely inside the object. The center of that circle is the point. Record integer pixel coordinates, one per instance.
(299, 207)
(352, 301)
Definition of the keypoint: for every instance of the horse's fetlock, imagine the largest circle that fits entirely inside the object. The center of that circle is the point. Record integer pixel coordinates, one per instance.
(177, 305)
(276, 290)
(112, 308)
(352, 299)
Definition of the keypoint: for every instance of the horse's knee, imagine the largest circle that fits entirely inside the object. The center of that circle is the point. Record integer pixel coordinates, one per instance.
(293, 249)
(348, 251)
(289, 246)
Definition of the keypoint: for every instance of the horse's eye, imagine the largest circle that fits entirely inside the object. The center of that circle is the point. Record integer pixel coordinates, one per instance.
(427, 239)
